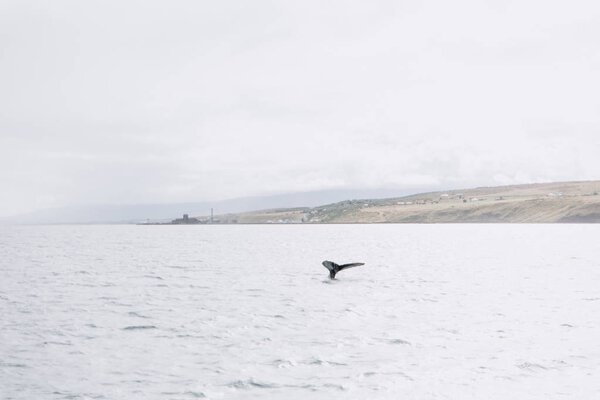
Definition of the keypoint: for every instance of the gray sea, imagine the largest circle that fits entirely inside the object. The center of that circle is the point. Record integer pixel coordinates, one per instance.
(243, 312)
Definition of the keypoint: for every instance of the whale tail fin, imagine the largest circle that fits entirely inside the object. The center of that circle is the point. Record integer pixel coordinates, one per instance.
(335, 268)
(332, 267)
(344, 266)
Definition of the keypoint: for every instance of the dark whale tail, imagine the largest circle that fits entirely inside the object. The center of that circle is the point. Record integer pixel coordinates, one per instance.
(335, 268)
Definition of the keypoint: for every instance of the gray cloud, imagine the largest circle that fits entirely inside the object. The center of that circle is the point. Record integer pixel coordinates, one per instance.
(147, 101)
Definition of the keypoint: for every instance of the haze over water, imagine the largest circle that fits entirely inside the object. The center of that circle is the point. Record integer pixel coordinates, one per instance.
(239, 312)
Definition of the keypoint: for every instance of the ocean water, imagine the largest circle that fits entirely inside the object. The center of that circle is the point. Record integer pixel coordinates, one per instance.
(248, 312)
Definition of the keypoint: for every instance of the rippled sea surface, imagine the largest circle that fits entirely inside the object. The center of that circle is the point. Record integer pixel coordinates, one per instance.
(243, 312)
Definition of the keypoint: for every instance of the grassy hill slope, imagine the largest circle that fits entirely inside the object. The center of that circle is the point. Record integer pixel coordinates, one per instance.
(532, 203)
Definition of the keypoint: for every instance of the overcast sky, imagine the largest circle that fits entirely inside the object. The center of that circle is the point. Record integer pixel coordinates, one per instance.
(171, 101)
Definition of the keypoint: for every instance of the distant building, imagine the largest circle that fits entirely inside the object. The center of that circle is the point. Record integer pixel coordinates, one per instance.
(185, 220)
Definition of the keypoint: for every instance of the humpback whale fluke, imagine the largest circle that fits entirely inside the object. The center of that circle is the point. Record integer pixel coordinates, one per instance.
(335, 268)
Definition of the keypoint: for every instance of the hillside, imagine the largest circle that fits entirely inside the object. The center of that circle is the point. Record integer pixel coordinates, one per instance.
(532, 203)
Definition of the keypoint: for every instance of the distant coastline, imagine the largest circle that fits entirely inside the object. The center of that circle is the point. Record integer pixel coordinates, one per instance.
(558, 202)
